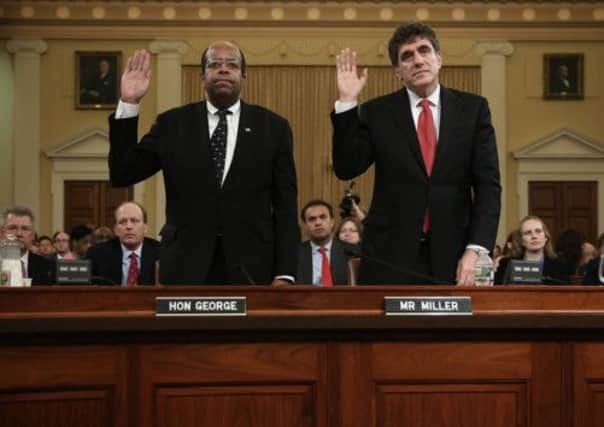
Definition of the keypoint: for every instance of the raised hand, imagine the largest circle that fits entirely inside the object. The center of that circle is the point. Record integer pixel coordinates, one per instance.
(136, 77)
(350, 83)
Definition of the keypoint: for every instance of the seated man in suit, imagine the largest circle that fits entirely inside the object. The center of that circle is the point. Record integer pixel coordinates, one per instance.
(321, 260)
(130, 258)
(19, 222)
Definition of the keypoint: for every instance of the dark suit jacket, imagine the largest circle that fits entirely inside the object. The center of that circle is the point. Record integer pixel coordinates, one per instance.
(338, 263)
(591, 276)
(42, 270)
(255, 210)
(462, 193)
(106, 261)
(552, 267)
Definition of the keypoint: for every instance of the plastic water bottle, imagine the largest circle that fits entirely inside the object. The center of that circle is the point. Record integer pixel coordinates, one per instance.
(484, 270)
(601, 269)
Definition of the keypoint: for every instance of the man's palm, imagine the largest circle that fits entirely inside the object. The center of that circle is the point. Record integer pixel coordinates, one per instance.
(136, 77)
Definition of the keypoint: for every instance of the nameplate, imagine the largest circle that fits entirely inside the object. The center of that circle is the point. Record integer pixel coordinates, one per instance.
(521, 271)
(200, 306)
(428, 306)
(73, 271)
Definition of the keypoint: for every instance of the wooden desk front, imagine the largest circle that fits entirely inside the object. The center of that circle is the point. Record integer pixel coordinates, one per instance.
(94, 356)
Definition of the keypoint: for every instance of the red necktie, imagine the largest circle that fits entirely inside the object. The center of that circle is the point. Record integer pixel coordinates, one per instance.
(426, 134)
(132, 271)
(326, 279)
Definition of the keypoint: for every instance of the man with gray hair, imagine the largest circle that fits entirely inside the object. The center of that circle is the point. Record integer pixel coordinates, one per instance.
(18, 221)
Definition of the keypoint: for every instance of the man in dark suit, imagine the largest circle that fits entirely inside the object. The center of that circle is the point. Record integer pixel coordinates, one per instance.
(229, 176)
(321, 259)
(130, 258)
(18, 221)
(436, 198)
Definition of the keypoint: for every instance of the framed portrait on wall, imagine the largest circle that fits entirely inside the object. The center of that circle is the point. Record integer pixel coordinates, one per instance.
(97, 79)
(563, 76)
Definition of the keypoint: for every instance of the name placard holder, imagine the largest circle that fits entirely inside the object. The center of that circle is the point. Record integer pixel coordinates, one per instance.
(428, 306)
(201, 306)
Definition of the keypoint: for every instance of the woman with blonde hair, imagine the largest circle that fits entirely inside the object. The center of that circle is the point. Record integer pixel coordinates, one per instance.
(535, 245)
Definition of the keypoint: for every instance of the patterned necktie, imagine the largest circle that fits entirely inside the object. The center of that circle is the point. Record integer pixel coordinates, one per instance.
(426, 134)
(132, 271)
(326, 279)
(218, 144)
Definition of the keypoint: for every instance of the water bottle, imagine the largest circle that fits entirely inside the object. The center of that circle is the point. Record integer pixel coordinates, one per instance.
(601, 270)
(484, 270)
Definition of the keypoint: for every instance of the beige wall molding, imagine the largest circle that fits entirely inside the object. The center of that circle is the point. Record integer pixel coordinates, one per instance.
(564, 155)
(350, 13)
(493, 55)
(27, 132)
(81, 158)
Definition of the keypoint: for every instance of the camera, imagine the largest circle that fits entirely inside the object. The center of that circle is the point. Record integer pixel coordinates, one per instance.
(347, 201)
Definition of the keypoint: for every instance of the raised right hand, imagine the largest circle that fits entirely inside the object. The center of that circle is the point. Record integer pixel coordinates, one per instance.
(350, 84)
(136, 77)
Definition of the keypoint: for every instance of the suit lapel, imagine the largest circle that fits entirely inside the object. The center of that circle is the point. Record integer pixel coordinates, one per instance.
(146, 266)
(243, 146)
(116, 261)
(401, 113)
(339, 264)
(448, 117)
(199, 140)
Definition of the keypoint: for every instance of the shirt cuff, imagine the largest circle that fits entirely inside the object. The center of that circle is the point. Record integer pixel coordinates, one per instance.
(476, 248)
(125, 110)
(343, 106)
(290, 279)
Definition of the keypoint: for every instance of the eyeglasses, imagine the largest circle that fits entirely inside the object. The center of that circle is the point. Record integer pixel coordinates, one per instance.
(15, 227)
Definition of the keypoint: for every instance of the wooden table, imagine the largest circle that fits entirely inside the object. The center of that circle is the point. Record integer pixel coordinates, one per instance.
(98, 356)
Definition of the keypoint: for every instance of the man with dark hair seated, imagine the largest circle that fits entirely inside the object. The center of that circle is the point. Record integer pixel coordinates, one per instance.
(321, 260)
(130, 258)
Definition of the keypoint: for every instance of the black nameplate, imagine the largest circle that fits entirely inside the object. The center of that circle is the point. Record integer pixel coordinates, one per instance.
(433, 306)
(200, 306)
(521, 271)
(73, 271)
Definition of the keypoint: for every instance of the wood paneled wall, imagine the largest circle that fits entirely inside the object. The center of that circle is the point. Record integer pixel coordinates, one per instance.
(305, 95)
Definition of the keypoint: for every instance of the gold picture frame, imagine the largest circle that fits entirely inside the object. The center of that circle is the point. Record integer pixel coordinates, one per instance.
(97, 80)
(563, 76)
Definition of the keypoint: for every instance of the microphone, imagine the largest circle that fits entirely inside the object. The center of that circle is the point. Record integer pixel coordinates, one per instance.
(546, 279)
(246, 274)
(355, 251)
(102, 280)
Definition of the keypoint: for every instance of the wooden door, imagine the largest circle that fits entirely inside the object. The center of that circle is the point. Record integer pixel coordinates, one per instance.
(566, 205)
(92, 203)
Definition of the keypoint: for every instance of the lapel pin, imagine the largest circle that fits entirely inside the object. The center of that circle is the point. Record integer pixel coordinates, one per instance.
(247, 129)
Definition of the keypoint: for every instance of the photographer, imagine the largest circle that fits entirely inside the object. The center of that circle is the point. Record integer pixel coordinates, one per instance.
(350, 205)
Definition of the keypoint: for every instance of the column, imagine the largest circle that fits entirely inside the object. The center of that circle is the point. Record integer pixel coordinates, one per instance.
(169, 94)
(26, 140)
(494, 88)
